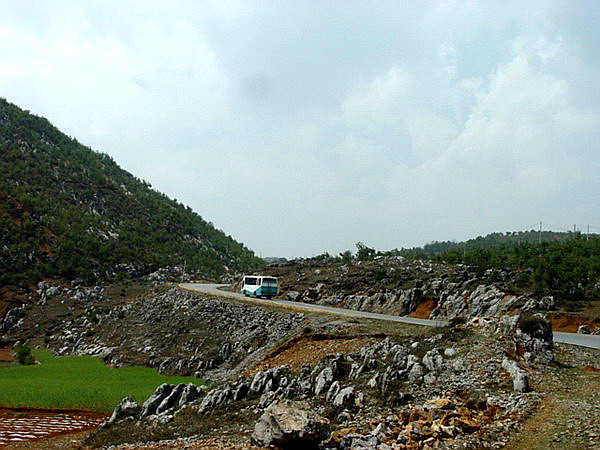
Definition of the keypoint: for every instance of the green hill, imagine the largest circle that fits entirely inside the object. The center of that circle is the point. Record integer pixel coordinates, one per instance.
(67, 211)
(508, 239)
(565, 265)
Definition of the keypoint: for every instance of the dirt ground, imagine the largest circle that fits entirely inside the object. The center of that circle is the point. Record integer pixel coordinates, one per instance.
(568, 418)
(310, 349)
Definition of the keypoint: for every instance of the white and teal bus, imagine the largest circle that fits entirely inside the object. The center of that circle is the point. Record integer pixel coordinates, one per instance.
(259, 286)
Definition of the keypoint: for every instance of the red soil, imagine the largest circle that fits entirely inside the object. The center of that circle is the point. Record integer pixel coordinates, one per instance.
(424, 309)
(571, 323)
(24, 424)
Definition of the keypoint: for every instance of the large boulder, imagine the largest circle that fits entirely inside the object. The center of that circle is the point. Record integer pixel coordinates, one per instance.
(290, 424)
(151, 404)
(126, 408)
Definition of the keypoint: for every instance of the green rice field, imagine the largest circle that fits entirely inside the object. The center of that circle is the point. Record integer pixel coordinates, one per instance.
(78, 382)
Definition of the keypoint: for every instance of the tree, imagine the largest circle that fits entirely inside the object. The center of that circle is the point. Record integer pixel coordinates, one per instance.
(363, 252)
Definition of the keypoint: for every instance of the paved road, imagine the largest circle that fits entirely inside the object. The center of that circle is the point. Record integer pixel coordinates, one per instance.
(584, 340)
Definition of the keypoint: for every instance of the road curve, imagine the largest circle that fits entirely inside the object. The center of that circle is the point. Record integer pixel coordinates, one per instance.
(213, 289)
(583, 340)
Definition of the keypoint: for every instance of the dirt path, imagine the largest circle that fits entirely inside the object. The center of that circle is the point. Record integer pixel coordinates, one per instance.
(569, 418)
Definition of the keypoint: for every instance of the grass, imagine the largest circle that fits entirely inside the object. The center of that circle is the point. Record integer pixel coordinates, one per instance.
(74, 382)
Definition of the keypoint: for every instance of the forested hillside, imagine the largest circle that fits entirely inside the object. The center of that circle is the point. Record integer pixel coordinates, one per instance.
(565, 265)
(69, 212)
(492, 240)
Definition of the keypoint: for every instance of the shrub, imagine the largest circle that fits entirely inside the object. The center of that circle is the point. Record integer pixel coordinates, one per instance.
(535, 326)
(379, 274)
(23, 355)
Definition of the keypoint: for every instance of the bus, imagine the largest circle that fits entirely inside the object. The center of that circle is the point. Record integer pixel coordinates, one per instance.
(259, 286)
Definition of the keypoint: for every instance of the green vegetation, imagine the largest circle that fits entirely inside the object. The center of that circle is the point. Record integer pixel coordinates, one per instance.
(564, 265)
(78, 382)
(23, 355)
(569, 270)
(508, 239)
(69, 212)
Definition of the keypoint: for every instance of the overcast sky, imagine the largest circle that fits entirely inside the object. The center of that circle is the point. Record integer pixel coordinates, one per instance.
(306, 126)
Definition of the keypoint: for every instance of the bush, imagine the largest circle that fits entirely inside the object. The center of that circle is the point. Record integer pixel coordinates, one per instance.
(535, 326)
(379, 274)
(23, 355)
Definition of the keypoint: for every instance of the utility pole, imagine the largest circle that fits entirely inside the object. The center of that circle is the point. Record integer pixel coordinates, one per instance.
(587, 237)
(540, 234)
(574, 228)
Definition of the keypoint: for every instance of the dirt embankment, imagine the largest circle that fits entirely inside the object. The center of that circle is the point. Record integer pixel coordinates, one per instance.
(570, 323)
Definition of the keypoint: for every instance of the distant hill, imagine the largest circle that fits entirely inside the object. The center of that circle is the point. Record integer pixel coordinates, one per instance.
(510, 238)
(67, 211)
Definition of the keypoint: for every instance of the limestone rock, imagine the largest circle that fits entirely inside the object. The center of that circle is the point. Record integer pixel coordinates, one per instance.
(288, 424)
(126, 408)
(151, 404)
(518, 375)
(344, 398)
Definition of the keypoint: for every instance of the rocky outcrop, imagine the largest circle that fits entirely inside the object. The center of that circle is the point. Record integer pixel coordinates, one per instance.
(13, 319)
(127, 409)
(160, 407)
(290, 424)
(531, 335)
(446, 291)
(176, 333)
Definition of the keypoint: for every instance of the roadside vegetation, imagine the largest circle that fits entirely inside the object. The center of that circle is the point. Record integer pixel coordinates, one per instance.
(78, 382)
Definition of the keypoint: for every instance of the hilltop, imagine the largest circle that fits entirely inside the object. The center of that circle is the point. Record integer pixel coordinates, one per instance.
(68, 212)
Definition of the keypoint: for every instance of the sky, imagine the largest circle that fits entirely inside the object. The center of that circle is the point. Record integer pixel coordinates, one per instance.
(300, 127)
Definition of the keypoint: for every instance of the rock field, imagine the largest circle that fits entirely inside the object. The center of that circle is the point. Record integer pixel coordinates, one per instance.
(492, 379)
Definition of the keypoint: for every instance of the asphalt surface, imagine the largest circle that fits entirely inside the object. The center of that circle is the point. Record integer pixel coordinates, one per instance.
(583, 340)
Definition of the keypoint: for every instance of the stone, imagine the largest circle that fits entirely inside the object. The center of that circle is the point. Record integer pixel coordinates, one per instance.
(170, 400)
(519, 376)
(450, 352)
(583, 329)
(334, 389)
(293, 296)
(259, 382)
(241, 391)
(416, 373)
(323, 380)
(433, 360)
(150, 405)
(126, 408)
(287, 423)
(344, 398)
(188, 395)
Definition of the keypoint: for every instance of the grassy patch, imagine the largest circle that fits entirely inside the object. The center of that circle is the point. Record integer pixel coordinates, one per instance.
(78, 382)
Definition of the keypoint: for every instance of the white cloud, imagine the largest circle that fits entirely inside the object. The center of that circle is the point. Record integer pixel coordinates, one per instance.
(148, 91)
(518, 152)
(393, 126)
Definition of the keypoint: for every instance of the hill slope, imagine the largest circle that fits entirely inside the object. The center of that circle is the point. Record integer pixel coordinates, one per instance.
(69, 212)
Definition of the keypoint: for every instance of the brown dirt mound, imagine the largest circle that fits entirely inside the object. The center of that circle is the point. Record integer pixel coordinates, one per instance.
(424, 309)
(310, 349)
(571, 323)
(6, 355)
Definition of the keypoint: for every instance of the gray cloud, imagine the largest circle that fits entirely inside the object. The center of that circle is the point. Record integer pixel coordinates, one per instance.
(301, 127)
